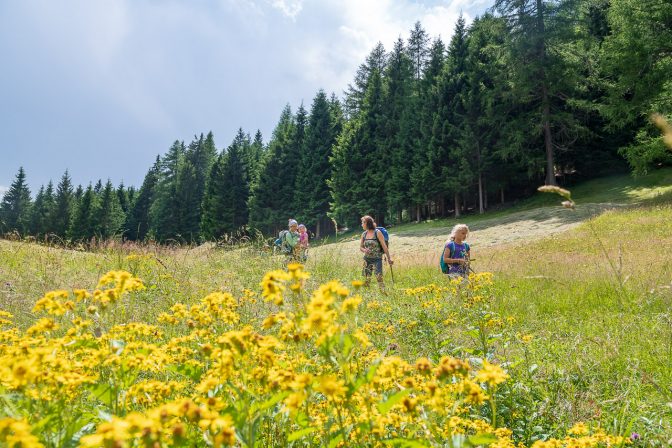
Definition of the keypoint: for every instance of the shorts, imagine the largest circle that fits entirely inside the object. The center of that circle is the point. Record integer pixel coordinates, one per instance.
(370, 264)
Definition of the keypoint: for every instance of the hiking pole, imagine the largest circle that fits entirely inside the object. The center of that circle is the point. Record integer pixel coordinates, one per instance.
(391, 270)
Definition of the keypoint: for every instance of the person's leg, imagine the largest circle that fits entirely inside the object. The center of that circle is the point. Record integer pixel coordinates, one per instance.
(367, 271)
(379, 274)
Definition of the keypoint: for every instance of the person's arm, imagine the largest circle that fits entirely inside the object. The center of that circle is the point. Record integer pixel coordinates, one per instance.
(292, 239)
(381, 240)
(448, 260)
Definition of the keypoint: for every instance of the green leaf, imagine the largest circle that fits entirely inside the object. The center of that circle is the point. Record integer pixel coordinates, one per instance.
(386, 405)
(335, 441)
(296, 435)
(481, 439)
(405, 443)
(102, 391)
(275, 399)
(348, 345)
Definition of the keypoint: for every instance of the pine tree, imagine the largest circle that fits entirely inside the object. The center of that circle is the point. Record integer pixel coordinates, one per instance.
(636, 57)
(109, 215)
(421, 173)
(543, 78)
(165, 211)
(122, 196)
(226, 200)
(37, 214)
(255, 158)
(354, 96)
(312, 191)
(359, 162)
(83, 226)
(451, 174)
(15, 209)
(187, 209)
(417, 50)
(63, 208)
(138, 219)
(272, 201)
(400, 124)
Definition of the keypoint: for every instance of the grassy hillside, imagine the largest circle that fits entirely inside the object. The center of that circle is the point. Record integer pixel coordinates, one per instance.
(579, 312)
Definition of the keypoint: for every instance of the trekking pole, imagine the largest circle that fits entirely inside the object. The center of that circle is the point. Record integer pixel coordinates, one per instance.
(391, 270)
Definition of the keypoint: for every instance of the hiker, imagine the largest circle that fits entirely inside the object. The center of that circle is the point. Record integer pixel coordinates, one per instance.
(373, 245)
(288, 240)
(303, 243)
(456, 252)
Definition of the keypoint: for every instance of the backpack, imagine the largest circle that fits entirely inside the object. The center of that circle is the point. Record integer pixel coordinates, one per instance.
(280, 243)
(386, 236)
(451, 245)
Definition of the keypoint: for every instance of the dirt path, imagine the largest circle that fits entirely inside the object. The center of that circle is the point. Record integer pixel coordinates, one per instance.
(422, 246)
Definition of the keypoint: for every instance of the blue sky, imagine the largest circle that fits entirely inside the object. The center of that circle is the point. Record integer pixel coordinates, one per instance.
(101, 87)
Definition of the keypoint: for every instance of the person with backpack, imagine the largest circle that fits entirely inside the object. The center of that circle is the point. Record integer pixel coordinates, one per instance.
(288, 241)
(373, 245)
(456, 252)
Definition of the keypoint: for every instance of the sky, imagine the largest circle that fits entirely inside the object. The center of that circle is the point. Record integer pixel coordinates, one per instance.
(101, 87)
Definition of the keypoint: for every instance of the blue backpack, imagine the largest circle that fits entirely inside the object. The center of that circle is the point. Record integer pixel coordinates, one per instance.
(386, 236)
(445, 268)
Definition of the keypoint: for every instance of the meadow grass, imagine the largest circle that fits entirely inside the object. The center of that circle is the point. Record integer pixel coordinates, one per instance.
(581, 320)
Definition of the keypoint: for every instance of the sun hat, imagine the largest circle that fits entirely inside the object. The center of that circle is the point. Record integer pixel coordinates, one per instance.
(292, 222)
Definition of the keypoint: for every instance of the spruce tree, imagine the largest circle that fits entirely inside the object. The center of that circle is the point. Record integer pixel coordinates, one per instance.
(109, 215)
(636, 57)
(451, 171)
(272, 201)
(15, 209)
(543, 77)
(312, 191)
(37, 214)
(354, 96)
(138, 219)
(255, 158)
(399, 138)
(63, 207)
(421, 173)
(83, 226)
(165, 209)
(226, 201)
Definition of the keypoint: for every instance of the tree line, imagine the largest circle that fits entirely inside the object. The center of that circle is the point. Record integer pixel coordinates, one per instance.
(531, 92)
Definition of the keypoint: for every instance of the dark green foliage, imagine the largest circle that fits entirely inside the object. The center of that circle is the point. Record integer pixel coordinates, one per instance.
(15, 209)
(108, 216)
(360, 162)
(273, 198)
(165, 209)
(311, 195)
(138, 219)
(400, 105)
(225, 206)
(63, 207)
(637, 59)
(40, 225)
(84, 222)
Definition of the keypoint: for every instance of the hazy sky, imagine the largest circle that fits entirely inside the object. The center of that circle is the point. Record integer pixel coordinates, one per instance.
(101, 87)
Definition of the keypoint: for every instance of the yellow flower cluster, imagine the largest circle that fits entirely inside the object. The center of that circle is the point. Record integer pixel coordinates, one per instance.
(306, 373)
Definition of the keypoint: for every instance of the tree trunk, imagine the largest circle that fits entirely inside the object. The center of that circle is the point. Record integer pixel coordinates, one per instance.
(457, 205)
(481, 206)
(318, 227)
(501, 192)
(485, 195)
(545, 101)
(417, 213)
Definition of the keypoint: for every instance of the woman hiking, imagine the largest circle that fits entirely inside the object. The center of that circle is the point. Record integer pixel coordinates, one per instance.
(372, 244)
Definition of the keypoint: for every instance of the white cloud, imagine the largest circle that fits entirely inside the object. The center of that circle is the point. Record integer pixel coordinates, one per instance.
(290, 8)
